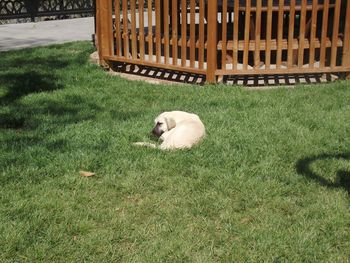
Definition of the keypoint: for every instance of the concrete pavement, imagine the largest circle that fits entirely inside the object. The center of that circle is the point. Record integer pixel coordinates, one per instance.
(16, 36)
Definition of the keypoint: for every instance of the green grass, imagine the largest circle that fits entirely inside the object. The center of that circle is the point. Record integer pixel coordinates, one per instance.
(270, 182)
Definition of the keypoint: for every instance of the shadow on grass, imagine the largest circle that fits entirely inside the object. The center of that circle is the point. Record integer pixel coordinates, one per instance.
(28, 73)
(47, 115)
(21, 84)
(342, 179)
(23, 76)
(40, 70)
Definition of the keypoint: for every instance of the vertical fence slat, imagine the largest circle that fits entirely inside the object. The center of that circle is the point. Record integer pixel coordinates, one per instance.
(268, 34)
(324, 33)
(174, 30)
(142, 29)
(235, 34)
(98, 29)
(105, 29)
(158, 32)
(257, 34)
(117, 28)
(109, 24)
(246, 34)
(212, 41)
(192, 33)
(279, 34)
(224, 34)
(291, 24)
(166, 31)
(150, 30)
(302, 33)
(346, 42)
(125, 28)
(183, 32)
(133, 29)
(201, 35)
(313, 33)
(335, 33)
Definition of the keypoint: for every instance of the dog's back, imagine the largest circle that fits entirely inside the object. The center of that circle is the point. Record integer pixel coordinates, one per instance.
(186, 134)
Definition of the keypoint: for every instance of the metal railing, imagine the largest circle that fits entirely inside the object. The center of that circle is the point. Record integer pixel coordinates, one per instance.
(16, 9)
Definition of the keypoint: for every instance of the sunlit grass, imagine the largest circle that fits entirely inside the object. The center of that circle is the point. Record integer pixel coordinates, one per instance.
(270, 182)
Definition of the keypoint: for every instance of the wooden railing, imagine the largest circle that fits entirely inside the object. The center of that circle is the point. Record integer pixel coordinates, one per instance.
(227, 37)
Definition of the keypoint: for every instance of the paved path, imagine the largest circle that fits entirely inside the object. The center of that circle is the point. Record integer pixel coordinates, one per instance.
(16, 36)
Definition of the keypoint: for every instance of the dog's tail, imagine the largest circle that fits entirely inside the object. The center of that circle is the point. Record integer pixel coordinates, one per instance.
(146, 144)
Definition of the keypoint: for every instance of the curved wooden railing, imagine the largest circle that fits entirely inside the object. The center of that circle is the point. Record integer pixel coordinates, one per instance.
(227, 37)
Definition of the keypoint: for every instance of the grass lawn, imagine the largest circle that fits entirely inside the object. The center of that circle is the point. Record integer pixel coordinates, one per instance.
(270, 182)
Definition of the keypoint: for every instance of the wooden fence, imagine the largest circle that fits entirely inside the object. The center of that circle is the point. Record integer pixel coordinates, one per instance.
(226, 37)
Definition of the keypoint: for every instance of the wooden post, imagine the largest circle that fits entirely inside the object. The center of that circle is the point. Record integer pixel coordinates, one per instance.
(212, 41)
(291, 54)
(158, 31)
(166, 31)
(150, 31)
(174, 21)
(142, 29)
(324, 34)
(183, 32)
(335, 33)
(201, 34)
(98, 38)
(269, 33)
(247, 30)
(133, 29)
(280, 32)
(105, 35)
(192, 33)
(235, 34)
(346, 48)
(118, 28)
(257, 35)
(313, 33)
(224, 34)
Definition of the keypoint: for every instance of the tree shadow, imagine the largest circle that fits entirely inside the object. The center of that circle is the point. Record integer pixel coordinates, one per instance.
(22, 84)
(25, 81)
(26, 72)
(342, 178)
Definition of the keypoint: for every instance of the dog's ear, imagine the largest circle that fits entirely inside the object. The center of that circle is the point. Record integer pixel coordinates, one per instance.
(170, 123)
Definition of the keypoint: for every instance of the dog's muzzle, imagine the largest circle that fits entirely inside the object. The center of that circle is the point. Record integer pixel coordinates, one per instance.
(157, 131)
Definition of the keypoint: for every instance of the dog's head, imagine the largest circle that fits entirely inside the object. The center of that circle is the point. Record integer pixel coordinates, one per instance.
(163, 124)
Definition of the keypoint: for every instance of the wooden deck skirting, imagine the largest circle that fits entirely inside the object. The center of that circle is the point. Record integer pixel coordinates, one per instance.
(226, 37)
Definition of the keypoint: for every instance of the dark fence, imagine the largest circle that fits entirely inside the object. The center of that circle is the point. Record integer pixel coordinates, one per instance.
(15, 9)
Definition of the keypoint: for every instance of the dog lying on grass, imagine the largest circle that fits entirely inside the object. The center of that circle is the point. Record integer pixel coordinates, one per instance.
(176, 130)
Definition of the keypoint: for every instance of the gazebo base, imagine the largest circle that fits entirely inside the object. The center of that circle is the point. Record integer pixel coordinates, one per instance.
(226, 39)
(162, 76)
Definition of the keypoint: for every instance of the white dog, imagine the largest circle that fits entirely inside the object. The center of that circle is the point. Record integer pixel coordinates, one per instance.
(177, 130)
